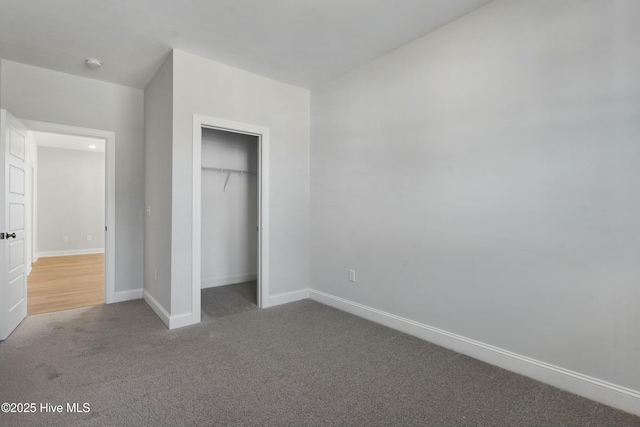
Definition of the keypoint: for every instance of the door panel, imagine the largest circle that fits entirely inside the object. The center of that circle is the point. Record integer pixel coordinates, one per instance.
(16, 217)
(16, 293)
(16, 259)
(16, 180)
(13, 279)
(17, 144)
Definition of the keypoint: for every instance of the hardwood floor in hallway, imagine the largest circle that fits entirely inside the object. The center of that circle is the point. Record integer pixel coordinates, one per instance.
(65, 282)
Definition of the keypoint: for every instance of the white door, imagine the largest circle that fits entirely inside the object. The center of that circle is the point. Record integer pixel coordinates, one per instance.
(13, 279)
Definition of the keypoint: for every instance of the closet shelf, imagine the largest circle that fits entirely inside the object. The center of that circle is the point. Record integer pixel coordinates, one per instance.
(229, 172)
(240, 171)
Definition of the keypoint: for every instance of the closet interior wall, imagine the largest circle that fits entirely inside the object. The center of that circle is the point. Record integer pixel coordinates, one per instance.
(229, 208)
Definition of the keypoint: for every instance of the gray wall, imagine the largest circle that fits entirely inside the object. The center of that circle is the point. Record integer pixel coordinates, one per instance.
(37, 94)
(158, 117)
(71, 196)
(229, 218)
(484, 180)
(213, 89)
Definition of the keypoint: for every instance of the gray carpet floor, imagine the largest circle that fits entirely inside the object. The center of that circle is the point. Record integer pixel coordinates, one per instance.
(298, 364)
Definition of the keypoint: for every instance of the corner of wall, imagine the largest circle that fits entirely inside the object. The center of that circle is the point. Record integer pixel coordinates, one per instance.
(158, 121)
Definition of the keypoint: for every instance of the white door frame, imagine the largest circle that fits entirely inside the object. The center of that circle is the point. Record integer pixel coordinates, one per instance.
(199, 122)
(110, 193)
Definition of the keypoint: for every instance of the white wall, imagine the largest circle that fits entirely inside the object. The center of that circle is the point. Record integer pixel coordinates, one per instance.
(71, 201)
(484, 180)
(38, 94)
(229, 217)
(211, 89)
(158, 121)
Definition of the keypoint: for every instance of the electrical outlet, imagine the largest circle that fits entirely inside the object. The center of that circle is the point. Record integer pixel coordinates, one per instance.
(155, 275)
(65, 239)
(89, 237)
(352, 275)
(148, 210)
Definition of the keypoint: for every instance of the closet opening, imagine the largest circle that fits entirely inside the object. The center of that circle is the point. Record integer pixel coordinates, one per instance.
(230, 217)
(229, 231)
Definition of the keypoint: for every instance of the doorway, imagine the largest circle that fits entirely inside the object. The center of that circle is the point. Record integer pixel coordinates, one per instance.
(68, 234)
(243, 134)
(86, 251)
(229, 222)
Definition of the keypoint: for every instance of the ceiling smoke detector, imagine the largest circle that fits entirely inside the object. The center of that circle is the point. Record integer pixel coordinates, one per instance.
(93, 63)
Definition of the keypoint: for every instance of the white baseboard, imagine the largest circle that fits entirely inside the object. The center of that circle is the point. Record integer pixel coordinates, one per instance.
(182, 320)
(170, 321)
(122, 296)
(156, 307)
(228, 280)
(287, 297)
(71, 252)
(574, 382)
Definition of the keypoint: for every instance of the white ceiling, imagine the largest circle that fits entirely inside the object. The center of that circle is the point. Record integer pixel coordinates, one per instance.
(301, 42)
(68, 142)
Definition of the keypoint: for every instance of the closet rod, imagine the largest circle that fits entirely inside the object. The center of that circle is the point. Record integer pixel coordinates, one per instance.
(229, 172)
(240, 171)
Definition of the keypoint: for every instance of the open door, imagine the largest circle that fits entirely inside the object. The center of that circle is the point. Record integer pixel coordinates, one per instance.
(13, 278)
